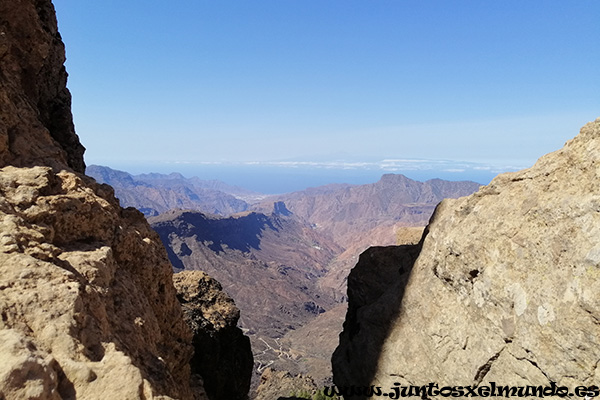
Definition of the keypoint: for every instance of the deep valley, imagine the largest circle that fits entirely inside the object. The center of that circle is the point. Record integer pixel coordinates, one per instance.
(284, 259)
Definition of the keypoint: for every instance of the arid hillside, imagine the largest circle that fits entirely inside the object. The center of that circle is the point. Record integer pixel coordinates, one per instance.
(342, 211)
(270, 265)
(153, 194)
(288, 275)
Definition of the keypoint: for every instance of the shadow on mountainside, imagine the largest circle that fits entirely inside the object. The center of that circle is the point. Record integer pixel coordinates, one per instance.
(375, 292)
(241, 233)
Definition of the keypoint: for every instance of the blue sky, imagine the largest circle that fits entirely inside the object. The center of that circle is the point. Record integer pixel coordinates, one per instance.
(199, 81)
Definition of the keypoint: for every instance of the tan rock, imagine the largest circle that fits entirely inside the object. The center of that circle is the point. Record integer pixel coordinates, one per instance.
(86, 298)
(504, 288)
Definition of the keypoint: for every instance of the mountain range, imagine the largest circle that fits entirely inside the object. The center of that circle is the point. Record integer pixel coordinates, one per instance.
(156, 193)
(286, 261)
(501, 287)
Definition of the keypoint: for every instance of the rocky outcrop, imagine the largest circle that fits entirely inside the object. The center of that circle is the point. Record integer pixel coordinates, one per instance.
(223, 357)
(87, 305)
(36, 125)
(503, 290)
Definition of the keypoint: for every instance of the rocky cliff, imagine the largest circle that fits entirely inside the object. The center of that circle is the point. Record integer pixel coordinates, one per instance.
(87, 303)
(36, 125)
(504, 288)
(86, 298)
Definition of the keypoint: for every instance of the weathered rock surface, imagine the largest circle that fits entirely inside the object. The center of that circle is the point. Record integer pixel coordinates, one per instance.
(36, 125)
(223, 356)
(87, 305)
(504, 288)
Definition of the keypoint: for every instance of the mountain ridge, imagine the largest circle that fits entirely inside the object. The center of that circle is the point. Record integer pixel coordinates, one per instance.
(394, 197)
(156, 193)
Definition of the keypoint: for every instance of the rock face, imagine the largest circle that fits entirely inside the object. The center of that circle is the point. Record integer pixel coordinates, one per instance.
(87, 304)
(223, 356)
(36, 125)
(503, 290)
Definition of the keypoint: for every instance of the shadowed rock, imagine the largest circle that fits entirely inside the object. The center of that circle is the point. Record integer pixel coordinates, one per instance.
(36, 125)
(222, 355)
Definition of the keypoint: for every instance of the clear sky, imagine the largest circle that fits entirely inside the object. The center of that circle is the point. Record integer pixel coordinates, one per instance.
(183, 80)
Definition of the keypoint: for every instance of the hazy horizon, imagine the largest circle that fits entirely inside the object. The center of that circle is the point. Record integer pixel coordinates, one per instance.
(202, 81)
(277, 177)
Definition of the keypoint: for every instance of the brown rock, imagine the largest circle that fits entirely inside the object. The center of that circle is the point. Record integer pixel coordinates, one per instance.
(222, 357)
(36, 125)
(504, 289)
(87, 305)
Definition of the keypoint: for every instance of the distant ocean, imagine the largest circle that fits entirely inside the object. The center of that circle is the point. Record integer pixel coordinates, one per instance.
(277, 178)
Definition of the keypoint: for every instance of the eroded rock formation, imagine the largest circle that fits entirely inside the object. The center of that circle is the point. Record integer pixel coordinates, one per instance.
(223, 356)
(87, 304)
(504, 289)
(36, 125)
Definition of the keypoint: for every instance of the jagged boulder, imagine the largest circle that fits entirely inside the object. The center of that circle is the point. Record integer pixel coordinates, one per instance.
(223, 357)
(505, 288)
